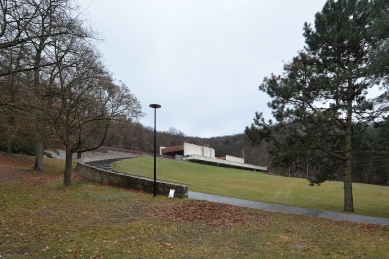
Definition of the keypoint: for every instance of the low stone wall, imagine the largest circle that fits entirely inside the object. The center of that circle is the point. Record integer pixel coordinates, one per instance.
(130, 182)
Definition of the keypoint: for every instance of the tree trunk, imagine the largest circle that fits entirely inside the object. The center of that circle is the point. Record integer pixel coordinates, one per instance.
(67, 180)
(307, 171)
(40, 127)
(348, 191)
(39, 156)
(9, 145)
(296, 173)
(348, 177)
(11, 119)
(39, 147)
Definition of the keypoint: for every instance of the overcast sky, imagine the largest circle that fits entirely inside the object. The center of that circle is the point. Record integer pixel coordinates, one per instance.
(201, 60)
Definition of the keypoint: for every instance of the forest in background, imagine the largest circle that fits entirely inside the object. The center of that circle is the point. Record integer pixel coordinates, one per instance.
(134, 136)
(371, 148)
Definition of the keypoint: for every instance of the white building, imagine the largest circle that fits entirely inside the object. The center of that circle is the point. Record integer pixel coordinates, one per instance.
(206, 155)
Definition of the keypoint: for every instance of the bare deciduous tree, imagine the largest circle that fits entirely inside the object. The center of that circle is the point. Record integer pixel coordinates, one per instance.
(85, 100)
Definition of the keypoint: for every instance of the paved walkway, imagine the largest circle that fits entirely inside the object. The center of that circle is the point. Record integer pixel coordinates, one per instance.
(289, 209)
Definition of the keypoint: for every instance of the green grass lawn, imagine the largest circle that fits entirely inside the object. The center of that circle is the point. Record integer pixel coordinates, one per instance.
(39, 218)
(369, 200)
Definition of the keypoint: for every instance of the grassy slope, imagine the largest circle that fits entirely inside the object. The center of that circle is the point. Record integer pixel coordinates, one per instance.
(368, 199)
(40, 219)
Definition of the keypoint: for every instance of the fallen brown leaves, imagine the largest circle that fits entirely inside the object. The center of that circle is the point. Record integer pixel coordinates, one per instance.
(211, 213)
(19, 169)
(16, 160)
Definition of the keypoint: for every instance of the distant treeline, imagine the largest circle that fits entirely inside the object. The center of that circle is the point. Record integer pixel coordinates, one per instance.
(135, 136)
(370, 149)
(138, 137)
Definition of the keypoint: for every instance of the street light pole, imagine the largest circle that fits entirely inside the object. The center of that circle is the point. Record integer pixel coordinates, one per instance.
(155, 107)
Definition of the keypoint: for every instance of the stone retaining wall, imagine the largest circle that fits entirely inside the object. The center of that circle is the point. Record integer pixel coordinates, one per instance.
(130, 182)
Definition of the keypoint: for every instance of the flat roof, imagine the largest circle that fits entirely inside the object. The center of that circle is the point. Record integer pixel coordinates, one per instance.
(172, 149)
(220, 162)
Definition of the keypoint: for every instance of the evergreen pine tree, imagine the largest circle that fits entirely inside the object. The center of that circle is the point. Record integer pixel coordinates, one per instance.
(320, 100)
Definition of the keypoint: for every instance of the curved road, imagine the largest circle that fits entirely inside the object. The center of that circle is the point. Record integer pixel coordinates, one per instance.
(106, 165)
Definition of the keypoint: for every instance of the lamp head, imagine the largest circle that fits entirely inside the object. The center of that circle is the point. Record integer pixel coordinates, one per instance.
(155, 106)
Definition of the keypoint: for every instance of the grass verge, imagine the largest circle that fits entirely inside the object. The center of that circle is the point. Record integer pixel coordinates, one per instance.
(369, 200)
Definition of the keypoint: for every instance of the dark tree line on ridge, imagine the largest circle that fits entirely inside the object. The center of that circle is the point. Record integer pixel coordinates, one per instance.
(137, 137)
(370, 163)
(134, 136)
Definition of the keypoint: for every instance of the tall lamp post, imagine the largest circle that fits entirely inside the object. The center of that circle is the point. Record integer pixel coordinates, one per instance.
(155, 107)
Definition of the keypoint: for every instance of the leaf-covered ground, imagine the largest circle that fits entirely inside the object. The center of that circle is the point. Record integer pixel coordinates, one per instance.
(41, 219)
